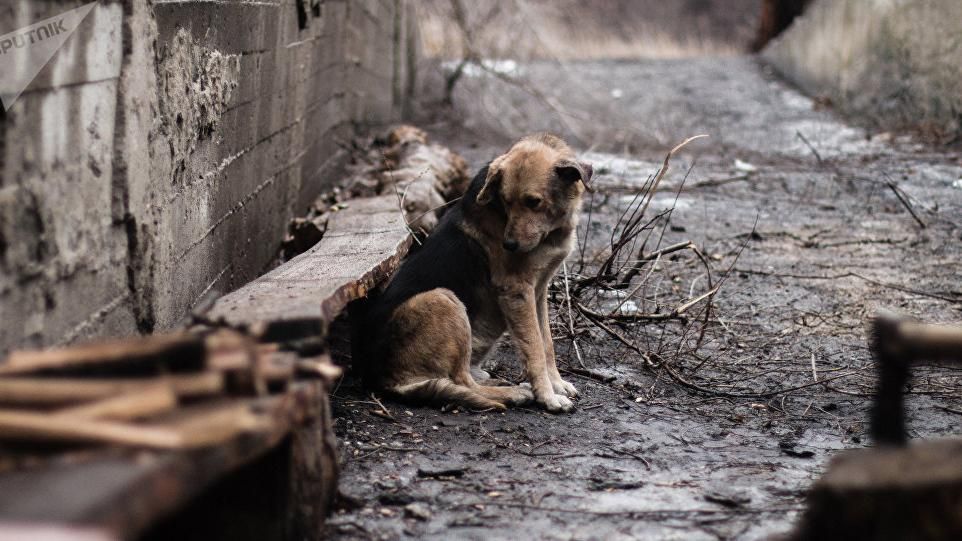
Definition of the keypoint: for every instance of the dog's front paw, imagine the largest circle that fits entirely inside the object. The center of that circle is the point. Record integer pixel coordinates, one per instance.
(564, 388)
(556, 403)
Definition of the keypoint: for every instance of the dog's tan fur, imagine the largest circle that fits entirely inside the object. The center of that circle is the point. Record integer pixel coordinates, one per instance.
(539, 185)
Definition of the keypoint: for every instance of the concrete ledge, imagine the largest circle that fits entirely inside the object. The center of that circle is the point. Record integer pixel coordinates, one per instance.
(363, 245)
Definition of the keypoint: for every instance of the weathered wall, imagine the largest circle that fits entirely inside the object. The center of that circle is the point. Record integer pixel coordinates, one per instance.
(896, 63)
(162, 152)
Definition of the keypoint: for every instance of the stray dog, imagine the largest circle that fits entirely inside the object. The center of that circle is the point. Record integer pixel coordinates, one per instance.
(484, 270)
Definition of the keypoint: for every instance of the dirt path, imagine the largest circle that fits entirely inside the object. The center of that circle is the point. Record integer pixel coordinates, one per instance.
(645, 456)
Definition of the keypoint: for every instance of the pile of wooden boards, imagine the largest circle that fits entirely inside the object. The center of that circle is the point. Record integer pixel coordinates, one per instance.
(109, 439)
(174, 391)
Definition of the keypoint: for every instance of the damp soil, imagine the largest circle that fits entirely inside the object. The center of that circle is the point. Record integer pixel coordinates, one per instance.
(811, 240)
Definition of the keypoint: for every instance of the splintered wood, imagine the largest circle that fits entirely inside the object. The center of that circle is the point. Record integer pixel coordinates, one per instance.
(176, 391)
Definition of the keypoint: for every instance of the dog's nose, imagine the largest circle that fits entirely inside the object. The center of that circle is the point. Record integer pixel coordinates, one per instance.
(510, 245)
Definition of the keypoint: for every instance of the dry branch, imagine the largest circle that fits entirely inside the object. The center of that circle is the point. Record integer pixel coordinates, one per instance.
(586, 298)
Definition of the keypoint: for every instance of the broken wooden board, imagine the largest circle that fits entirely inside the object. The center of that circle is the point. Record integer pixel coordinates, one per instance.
(363, 245)
(912, 492)
(118, 494)
(185, 350)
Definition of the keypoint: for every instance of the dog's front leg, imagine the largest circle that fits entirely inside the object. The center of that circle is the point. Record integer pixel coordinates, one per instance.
(519, 306)
(559, 385)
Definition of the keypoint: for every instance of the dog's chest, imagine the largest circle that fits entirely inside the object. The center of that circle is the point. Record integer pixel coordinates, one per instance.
(548, 257)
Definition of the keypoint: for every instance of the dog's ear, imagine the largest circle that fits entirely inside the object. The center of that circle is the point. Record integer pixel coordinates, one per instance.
(491, 182)
(571, 171)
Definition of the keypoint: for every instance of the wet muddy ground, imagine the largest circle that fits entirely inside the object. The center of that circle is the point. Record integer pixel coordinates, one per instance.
(722, 443)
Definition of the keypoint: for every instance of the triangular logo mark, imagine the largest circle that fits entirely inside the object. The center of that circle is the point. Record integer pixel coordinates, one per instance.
(24, 52)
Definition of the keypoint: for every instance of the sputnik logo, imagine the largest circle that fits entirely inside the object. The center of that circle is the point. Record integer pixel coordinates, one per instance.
(24, 52)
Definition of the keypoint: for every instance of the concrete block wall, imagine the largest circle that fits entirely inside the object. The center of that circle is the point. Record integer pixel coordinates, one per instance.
(893, 63)
(162, 152)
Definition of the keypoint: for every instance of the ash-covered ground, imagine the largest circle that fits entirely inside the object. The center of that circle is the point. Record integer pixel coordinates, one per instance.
(686, 435)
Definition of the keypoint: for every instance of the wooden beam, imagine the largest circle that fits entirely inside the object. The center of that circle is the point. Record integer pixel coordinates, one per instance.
(53, 532)
(912, 492)
(210, 425)
(192, 428)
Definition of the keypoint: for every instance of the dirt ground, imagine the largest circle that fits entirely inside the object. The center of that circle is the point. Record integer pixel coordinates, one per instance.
(782, 379)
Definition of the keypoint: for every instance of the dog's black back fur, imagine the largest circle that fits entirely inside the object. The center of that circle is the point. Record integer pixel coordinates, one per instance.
(449, 258)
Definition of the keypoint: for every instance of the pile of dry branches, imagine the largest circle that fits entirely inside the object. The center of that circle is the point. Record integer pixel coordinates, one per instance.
(632, 293)
(619, 291)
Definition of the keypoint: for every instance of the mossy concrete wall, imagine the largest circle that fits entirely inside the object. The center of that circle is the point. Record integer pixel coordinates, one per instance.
(163, 150)
(894, 63)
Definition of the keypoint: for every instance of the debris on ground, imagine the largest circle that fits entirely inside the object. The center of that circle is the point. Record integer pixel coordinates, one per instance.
(426, 177)
(422, 177)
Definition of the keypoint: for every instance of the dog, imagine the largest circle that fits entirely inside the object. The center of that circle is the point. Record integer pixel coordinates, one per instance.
(485, 270)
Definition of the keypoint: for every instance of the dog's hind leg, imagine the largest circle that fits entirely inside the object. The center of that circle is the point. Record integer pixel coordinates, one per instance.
(431, 357)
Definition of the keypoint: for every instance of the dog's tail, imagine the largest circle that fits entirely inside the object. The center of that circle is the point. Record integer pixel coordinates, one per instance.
(444, 391)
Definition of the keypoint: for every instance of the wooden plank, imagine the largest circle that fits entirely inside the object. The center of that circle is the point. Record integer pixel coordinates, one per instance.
(33, 427)
(148, 402)
(198, 426)
(50, 392)
(181, 349)
(119, 494)
(363, 245)
(40, 532)
(213, 424)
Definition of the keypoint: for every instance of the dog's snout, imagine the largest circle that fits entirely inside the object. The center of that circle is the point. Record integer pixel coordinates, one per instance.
(510, 245)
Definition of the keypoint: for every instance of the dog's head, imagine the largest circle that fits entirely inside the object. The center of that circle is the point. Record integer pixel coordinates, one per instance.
(539, 184)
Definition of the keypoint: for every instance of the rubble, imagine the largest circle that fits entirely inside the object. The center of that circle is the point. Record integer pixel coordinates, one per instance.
(425, 176)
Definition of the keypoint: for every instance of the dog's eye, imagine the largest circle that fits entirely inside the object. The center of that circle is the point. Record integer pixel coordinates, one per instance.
(532, 202)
